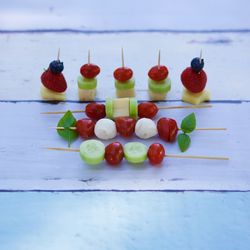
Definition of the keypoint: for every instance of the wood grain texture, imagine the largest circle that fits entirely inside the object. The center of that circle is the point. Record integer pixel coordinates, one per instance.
(101, 220)
(25, 165)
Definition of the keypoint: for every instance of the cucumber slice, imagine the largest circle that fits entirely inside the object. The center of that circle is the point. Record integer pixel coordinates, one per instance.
(125, 85)
(159, 86)
(133, 108)
(85, 83)
(92, 152)
(109, 108)
(135, 152)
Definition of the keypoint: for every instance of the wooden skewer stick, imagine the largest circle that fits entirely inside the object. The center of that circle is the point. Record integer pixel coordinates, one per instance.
(88, 56)
(123, 65)
(159, 58)
(200, 55)
(159, 107)
(58, 54)
(167, 155)
(198, 129)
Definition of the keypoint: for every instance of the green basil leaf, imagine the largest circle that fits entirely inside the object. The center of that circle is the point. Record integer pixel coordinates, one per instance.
(188, 124)
(67, 121)
(183, 142)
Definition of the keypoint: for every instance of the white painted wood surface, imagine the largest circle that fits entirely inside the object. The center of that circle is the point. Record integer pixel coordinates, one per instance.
(24, 56)
(25, 165)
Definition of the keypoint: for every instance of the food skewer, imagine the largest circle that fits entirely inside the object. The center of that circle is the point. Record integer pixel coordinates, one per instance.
(93, 152)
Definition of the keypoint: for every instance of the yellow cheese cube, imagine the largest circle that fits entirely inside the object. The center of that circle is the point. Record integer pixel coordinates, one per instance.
(50, 95)
(195, 98)
(121, 107)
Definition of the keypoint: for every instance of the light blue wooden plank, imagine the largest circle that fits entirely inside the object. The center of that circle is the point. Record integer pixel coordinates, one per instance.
(107, 220)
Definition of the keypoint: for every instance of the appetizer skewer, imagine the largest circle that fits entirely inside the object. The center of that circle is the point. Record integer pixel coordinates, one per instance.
(124, 81)
(54, 84)
(87, 81)
(93, 152)
(194, 80)
(117, 107)
(159, 84)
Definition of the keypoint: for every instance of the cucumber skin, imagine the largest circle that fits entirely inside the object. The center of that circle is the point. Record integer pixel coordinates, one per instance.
(141, 159)
(133, 108)
(159, 87)
(125, 85)
(84, 83)
(108, 106)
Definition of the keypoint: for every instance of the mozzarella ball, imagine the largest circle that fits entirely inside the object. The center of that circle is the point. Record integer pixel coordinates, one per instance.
(105, 129)
(145, 128)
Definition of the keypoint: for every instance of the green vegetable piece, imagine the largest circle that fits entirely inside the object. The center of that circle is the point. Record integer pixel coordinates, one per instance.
(85, 83)
(133, 108)
(135, 152)
(109, 108)
(159, 86)
(125, 85)
(183, 142)
(188, 124)
(67, 121)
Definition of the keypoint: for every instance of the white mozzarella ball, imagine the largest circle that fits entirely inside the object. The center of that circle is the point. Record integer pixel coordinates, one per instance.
(145, 128)
(105, 129)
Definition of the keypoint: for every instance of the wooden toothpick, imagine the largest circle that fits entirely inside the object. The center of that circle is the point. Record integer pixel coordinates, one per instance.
(159, 58)
(167, 155)
(88, 56)
(123, 65)
(200, 55)
(58, 54)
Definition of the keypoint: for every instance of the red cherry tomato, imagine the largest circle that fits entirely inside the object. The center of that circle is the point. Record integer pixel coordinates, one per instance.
(95, 111)
(114, 153)
(125, 126)
(147, 110)
(156, 153)
(158, 73)
(193, 81)
(89, 70)
(167, 129)
(85, 128)
(123, 74)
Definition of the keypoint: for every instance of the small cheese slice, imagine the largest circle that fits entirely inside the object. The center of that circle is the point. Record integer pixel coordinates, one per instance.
(120, 107)
(157, 96)
(50, 95)
(195, 98)
(120, 93)
(86, 94)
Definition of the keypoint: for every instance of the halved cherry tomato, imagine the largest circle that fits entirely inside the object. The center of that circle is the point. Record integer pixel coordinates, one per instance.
(158, 73)
(125, 126)
(123, 74)
(85, 128)
(167, 129)
(89, 70)
(147, 110)
(95, 111)
(156, 153)
(114, 153)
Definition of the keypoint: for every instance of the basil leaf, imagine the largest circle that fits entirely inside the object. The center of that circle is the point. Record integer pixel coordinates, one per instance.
(183, 142)
(188, 124)
(67, 121)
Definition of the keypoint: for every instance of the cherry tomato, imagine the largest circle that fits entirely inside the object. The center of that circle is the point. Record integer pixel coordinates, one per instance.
(125, 126)
(114, 153)
(156, 153)
(147, 110)
(90, 70)
(85, 127)
(167, 129)
(95, 111)
(158, 73)
(123, 74)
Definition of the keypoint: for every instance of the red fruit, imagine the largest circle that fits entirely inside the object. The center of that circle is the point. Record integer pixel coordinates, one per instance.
(89, 70)
(85, 128)
(156, 153)
(125, 126)
(95, 111)
(167, 129)
(114, 153)
(54, 81)
(147, 110)
(193, 81)
(158, 73)
(123, 74)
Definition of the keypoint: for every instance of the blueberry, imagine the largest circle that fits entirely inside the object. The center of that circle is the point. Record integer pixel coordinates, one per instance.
(56, 66)
(197, 64)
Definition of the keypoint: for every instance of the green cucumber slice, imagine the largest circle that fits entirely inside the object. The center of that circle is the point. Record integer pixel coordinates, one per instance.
(133, 108)
(135, 152)
(92, 152)
(159, 86)
(109, 108)
(85, 83)
(125, 85)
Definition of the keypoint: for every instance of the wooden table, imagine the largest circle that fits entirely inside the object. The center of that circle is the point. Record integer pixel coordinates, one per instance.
(52, 200)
